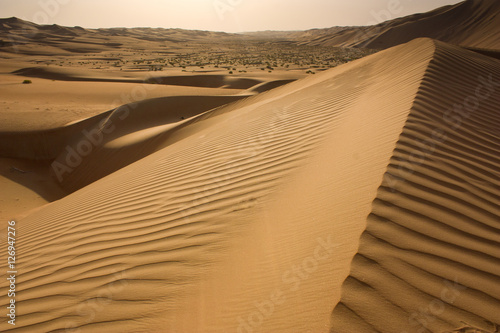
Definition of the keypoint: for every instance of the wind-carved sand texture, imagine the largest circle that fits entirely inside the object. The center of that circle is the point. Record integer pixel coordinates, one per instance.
(215, 215)
(430, 254)
(360, 198)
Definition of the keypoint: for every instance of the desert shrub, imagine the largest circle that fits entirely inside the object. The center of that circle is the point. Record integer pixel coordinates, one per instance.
(27, 82)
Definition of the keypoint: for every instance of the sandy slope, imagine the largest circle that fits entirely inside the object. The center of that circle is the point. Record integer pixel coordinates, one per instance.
(430, 256)
(258, 204)
(73, 93)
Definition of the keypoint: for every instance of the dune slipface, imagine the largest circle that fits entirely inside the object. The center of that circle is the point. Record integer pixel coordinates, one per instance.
(246, 218)
(429, 259)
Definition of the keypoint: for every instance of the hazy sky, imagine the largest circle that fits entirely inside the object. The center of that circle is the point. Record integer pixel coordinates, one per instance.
(215, 15)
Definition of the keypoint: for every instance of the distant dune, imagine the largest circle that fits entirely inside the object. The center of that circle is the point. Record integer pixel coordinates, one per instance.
(472, 23)
(19, 36)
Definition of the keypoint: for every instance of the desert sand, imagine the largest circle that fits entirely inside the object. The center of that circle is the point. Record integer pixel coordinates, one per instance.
(361, 198)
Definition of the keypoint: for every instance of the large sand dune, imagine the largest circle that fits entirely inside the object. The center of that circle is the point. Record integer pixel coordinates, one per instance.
(430, 256)
(246, 218)
(471, 23)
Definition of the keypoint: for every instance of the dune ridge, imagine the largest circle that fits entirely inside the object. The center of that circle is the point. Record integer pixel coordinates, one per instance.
(429, 258)
(470, 23)
(181, 224)
(128, 134)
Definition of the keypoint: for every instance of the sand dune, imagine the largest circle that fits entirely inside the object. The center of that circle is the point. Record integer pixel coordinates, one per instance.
(26, 37)
(221, 194)
(170, 180)
(126, 135)
(471, 23)
(430, 256)
(202, 233)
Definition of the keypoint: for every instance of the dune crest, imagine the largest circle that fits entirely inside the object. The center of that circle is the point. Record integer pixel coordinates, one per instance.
(430, 256)
(181, 225)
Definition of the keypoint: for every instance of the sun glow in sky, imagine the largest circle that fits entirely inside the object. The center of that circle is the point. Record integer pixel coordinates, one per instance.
(215, 15)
